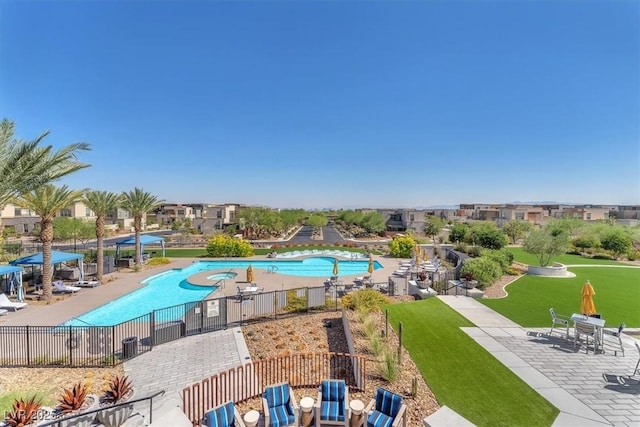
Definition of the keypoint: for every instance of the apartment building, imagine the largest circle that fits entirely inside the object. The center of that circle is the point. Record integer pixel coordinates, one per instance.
(210, 218)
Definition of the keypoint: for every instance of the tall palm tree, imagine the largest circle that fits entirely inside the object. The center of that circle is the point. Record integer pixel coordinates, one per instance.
(101, 202)
(26, 165)
(138, 202)
(46, 201)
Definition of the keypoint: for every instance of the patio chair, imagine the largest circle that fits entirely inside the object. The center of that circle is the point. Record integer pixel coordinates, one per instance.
(279, 406)
(586, 330)
(386, 410)
(60, 287)
(332, 406)
(559, 320)
(617, 337)
(637, 368)
(6, 303)
(225, 415)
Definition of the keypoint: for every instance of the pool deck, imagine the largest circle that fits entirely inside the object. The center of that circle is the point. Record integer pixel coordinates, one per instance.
(121, 283)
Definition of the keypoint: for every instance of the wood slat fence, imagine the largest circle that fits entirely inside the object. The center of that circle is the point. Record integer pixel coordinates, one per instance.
(300, 370)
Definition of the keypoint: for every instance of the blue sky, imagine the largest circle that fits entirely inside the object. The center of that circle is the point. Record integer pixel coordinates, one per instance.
(318, 104)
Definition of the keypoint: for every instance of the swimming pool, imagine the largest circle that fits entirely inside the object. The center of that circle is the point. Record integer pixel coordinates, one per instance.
(171, 288)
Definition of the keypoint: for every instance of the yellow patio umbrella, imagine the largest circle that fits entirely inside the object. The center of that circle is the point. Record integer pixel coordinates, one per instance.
(250, 274)
(425, 255)
(417, 253)
(335, 267)
(588, 307)
(371, 268)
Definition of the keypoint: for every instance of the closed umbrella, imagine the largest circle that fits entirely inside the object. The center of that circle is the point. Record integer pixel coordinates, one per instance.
(371, 268)
(250, 274)
(335, 267)
(425, 255)
(417, 254)
(588, 307)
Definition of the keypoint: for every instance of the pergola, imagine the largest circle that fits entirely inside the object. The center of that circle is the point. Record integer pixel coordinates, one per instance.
(13, 275)
(145, 239)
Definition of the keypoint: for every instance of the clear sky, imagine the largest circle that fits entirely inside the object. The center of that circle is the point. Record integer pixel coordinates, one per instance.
(317, 104)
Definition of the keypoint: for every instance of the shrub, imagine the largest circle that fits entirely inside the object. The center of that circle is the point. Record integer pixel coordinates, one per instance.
(633, 255)
(377, 345)
(221, 246)
(389, 368)
(503, 257)
(511, 271)
(159, 261)
(365, 300)
(402, 246)
(484, 270)
(72, 399)
(24, 412)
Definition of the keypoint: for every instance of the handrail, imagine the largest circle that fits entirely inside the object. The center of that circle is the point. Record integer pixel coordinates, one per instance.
(117, 405)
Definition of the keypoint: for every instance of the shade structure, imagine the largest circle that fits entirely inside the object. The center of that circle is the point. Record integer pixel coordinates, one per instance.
(588, 307)
(145, 239)
(336, 270)
(56, 258)
(370, 268)
(250, 273)
(13, 280)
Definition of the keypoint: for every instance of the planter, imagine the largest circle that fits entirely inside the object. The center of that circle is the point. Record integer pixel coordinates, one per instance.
(471, 284)
(83, 420)
(115, 417)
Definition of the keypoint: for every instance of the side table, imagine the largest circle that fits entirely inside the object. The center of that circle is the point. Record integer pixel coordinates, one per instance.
(306, 404)
(357, 415)
(251, 418)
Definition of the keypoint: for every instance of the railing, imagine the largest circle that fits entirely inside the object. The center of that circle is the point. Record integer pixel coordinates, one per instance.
(99, 346)
(64, 421)
(248, 381)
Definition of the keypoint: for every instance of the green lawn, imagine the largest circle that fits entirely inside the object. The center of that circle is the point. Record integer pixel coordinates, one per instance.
(617, 296)
(526, 258)
(462, 374)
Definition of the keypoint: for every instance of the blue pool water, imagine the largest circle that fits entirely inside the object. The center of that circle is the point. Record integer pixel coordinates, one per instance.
(171, 288)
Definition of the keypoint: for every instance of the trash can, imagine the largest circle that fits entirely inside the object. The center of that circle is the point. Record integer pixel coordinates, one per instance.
(129, 347)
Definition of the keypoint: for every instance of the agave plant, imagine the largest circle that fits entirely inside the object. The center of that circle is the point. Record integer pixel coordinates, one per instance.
(72, 399)
(119, 390)
(23, 412)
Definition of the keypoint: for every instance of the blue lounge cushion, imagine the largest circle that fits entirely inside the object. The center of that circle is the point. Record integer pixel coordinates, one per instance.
(333, 390)
(332, 411)
(222, 416)
(281, 415)
(378, 419)
(388, 403)
(280, 406)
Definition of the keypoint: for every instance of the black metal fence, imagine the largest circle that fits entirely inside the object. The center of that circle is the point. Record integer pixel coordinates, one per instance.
(91, 346)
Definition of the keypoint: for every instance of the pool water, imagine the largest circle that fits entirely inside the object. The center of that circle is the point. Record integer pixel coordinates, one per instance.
(171, 288)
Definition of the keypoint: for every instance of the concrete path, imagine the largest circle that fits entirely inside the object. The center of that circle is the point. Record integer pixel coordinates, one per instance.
(589, 389)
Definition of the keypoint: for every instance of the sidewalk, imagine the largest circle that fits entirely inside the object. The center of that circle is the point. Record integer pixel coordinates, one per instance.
(588, 389)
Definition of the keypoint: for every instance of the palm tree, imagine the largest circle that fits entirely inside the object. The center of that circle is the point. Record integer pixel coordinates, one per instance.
(26, 165)
(46, 201)
(138, 203)
(101, 202)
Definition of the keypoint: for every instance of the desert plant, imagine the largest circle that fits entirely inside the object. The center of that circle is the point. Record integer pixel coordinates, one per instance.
(376, 345)
(72, 399)
(389, 367)
(369, 326)
(23, 412)
(119, 390)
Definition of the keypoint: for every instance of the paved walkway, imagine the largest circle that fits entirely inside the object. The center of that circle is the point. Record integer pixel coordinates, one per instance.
(176, 365)
(589, 389)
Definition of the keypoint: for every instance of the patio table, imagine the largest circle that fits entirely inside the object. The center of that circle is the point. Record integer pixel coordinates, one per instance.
(592, 321)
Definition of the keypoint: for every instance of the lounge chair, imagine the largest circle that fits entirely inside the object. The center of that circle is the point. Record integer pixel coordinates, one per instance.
(279, 406)
(6, 303)
(225, 415)
(558, 320)
(332, 406)
(87, 283)
(59, 286)
(387, 409)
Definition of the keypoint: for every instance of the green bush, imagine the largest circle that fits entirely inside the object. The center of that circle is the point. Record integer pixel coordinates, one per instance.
(502, 256)
(633, 255)
(159, 261)
(402, 247)
(223, 246)
(484, 270)
(364, 300)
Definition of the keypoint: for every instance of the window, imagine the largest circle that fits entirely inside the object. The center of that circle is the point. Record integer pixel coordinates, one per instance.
(65, 212)
(17, 212)
(588, 215)
(25, 228)
(88, 212)
(411, 218)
